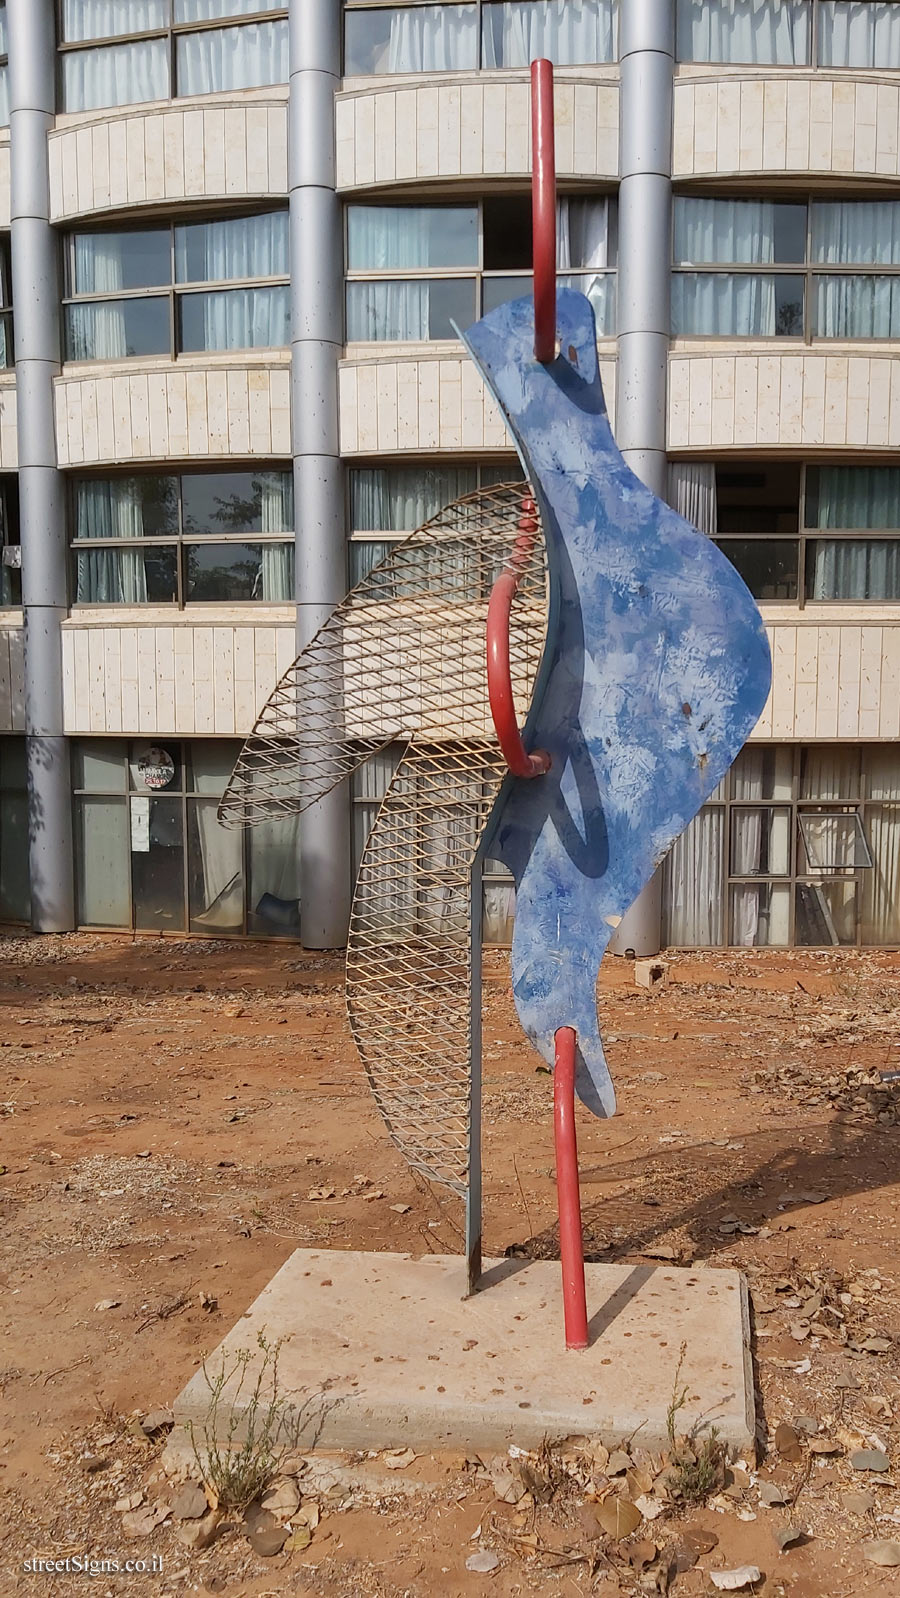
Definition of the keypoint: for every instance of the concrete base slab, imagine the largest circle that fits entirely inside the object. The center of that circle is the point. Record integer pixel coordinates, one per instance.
(382, 1351)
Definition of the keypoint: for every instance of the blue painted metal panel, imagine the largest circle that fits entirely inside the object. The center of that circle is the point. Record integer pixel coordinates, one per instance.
(655, 671)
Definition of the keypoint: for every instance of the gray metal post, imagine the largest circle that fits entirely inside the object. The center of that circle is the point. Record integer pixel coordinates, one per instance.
(317, 272)
(647, 60)
(35, 279)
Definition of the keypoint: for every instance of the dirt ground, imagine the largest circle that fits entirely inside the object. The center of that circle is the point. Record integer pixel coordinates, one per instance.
(166, 1110)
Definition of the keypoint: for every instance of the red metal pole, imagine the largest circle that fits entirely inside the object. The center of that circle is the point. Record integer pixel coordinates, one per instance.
(499, 675)
(543, 210)
(571, 1244)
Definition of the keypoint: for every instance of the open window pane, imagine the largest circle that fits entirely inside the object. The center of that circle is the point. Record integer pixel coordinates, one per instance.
(833, 840)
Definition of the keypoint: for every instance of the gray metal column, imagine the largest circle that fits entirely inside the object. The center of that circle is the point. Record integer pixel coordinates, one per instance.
(35, 282)
(647, 60)
(317, 275)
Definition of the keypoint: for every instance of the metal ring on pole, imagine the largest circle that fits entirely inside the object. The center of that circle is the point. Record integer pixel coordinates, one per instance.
(543, 210)
(499, 675)
(571, 1244)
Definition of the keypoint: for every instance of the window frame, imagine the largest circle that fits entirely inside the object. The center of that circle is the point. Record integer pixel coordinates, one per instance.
(805, 536)
(808, 270)
(798, 873)
(171, 32)
(173, 290)
(478, 5)
(177, 541)
(477, 274)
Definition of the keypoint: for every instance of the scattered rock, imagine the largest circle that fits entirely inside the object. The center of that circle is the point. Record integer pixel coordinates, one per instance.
(787, 1536)
(398, 1458)
(877, 1345)
(858, 1503)
(199, 1533)
(869, 1459)
(140, 1522)
(190, 1503)
(401, 1209)
(771, 1495)
(734, 1580)
(266, 1540)
(788, 1443)
(882, 1553)
(484, 1561)
(108, 1303)
(133, 1501)
(619, 1517)
(157, 1420)
(651, 1508)
(282, 1498)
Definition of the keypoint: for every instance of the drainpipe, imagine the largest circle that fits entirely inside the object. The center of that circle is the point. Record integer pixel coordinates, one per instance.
(317, 275)
(35, 279)
(646, 72)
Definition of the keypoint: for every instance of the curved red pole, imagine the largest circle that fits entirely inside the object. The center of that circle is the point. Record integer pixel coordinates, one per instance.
(571, 1245)
(499, 676)
(543, 210)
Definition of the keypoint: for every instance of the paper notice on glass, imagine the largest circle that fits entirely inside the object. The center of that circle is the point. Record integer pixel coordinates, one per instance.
(140, 825)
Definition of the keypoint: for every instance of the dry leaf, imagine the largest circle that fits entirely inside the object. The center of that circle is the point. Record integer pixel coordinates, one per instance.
(619, 1517)
(882, 1553)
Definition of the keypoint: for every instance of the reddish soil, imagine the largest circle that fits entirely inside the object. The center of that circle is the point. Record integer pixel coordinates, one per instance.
(166, 1109)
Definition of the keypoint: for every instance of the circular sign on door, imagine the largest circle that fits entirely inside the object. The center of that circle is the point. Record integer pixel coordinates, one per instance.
(156, 767)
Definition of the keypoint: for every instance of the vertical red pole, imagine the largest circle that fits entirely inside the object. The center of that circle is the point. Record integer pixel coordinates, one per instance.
(543, 210)
(571, 1245)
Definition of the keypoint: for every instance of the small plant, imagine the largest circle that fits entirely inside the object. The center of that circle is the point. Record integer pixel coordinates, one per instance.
(696, 1469)
(238, 1459)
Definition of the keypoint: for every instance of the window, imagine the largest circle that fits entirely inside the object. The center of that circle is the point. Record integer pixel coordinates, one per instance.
(422, 37)
(122, 52)
(827, 33)
(776, 269)
(7, 352)
(368, 787)
(199, 537)
(4, 66)
(387, 503)
(150, 853)
(15, 890)
(796, 846)
(416, 270)
(10, 547)
(144, 291)
(799, 533)
(852, 502)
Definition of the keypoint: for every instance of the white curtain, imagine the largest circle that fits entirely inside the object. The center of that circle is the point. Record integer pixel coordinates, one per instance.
(722, 303)
(582, 241)
(857, 568)
(102, 19)
(219, 252)
(723, 231)
(119, 74)
(389, 309)
(569, 32)
(221, 884)
(109, 508)
(232, 58)
(694, 881)
(237, 319)
(97, 332)
(398, 237)
(856, 232)
(881, 885)
(274, 895)
(859, 33)
(438, 38)
(857, 307)
(692, 492)
(277, 516)
(4, 97)
(744, 31)
(209, 10)
(400, 499)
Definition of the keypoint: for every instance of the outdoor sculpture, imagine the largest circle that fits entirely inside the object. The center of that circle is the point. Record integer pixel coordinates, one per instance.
(642, 661)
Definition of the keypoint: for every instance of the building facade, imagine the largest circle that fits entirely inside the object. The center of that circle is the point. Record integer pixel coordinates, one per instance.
(234, 240)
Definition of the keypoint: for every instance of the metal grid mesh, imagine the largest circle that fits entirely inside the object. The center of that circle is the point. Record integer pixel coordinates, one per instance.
(402, 659)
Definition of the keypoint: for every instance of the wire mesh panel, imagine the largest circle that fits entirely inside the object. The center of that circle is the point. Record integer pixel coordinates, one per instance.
(402, 659)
